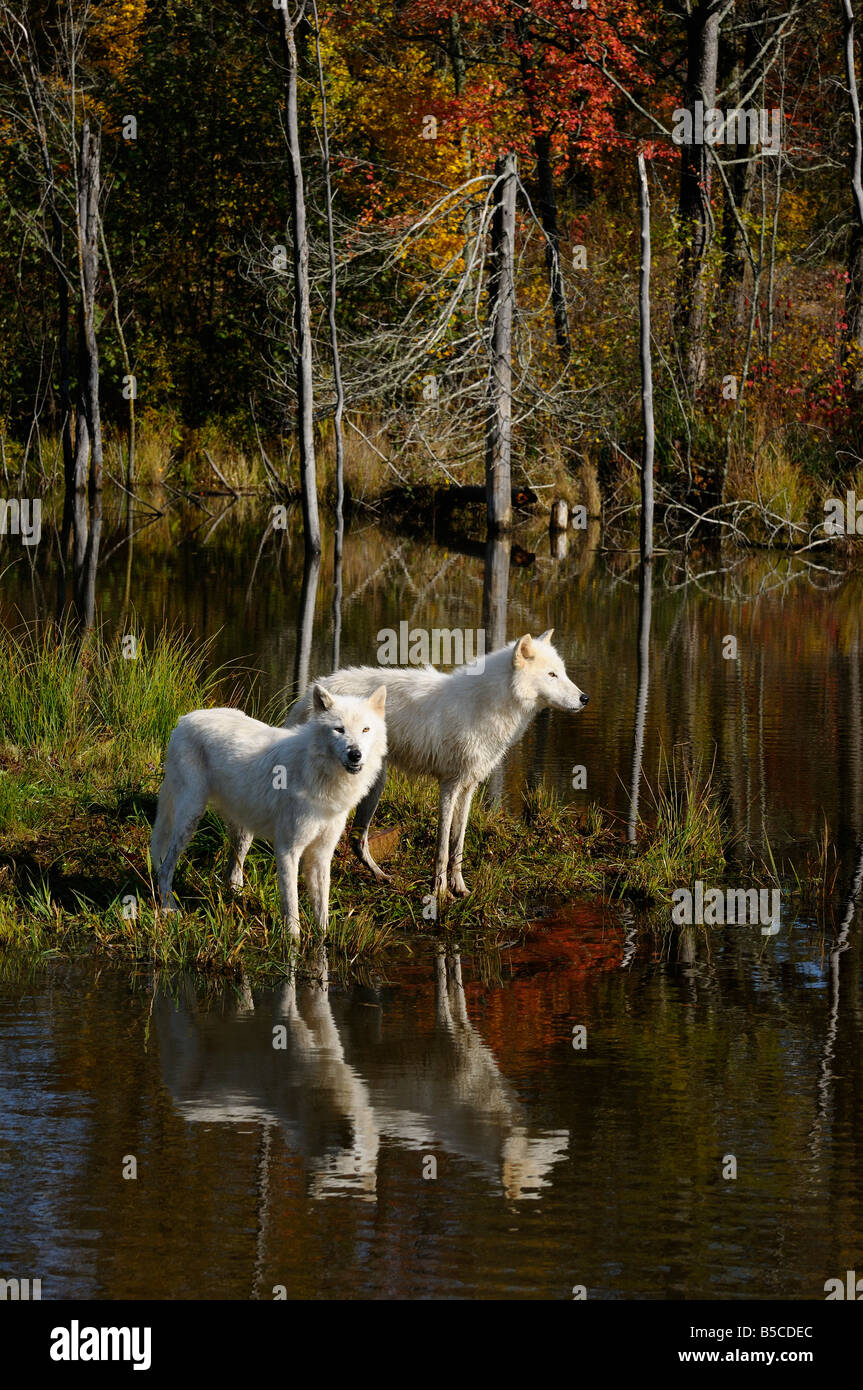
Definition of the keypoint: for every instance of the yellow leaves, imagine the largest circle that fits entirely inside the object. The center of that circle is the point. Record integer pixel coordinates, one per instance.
(386, 109)
(115, 32)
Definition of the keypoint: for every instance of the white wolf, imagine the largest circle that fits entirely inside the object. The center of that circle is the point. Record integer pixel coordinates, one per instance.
(456, 728)
(293, 787)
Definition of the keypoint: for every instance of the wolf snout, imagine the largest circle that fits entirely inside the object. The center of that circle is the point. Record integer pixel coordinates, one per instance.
(354, 758)
(584, 699)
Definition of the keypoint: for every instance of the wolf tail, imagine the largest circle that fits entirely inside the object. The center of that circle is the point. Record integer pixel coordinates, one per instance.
(163, 825)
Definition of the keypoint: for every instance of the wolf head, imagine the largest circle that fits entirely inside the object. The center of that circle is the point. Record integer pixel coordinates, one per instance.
(539, 676)
(355, 728)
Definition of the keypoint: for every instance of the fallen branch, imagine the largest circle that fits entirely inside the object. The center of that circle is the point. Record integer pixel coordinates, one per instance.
(219, 474)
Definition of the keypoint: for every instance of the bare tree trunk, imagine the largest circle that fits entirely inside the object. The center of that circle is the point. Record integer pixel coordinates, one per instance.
(65, 388)
(854, 293)
(495, 598)
(63, 359)
(302, 311)
(336, 356)
(306, 622)
(337, 608)
(546, 198)
(85, 596)
(88, 222)
(646, 367)
(702, 40)
(501, 294)
(645, 592)
(127, 364)
(88, 426)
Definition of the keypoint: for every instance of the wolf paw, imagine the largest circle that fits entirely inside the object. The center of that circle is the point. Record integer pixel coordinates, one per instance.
(364, 856)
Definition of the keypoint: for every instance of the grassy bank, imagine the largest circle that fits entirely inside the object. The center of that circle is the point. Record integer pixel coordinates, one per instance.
(82, 734)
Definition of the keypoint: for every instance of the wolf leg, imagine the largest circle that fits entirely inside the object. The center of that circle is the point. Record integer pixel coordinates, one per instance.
(458, 1003)
(316, 867)
(363, 819)
(443, 1017)
(287, 866)
(464, 797)
(446, 807)
(239, 842)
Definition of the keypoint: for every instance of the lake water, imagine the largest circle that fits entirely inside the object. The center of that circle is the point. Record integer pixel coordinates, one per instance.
(433, 1133)
(310, 1166)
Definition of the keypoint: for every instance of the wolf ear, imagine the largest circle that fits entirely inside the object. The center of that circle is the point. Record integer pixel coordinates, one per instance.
(547, 635)
(321, 698)
(379, 699)
(523, 651)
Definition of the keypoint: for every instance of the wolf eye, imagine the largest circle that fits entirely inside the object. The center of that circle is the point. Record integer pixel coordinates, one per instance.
(340, 729)
(366, 730)
(553, 673)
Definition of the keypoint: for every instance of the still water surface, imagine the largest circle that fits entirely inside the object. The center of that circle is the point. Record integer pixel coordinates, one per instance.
(308, 1166)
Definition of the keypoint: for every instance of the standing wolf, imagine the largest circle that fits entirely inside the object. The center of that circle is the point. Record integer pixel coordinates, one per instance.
(456, 728)
(293, 787)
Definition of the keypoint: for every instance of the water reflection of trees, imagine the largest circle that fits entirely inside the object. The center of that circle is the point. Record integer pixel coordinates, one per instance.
(708, 1042)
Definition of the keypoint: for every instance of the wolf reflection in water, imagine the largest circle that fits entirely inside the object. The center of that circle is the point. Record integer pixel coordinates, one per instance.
(442, 1091)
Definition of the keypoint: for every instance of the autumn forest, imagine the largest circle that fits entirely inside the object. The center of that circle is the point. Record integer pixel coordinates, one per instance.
(152, 328)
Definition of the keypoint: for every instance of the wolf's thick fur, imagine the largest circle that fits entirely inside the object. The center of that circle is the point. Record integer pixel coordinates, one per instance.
(293, 787)
(456, 728)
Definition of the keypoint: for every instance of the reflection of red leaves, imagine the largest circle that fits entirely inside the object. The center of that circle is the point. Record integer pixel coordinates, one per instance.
(577, 939)
(552, 971)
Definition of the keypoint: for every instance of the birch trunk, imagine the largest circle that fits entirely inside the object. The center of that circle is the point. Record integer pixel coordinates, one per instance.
(646, 367)
(302, 311)
(501, 291)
